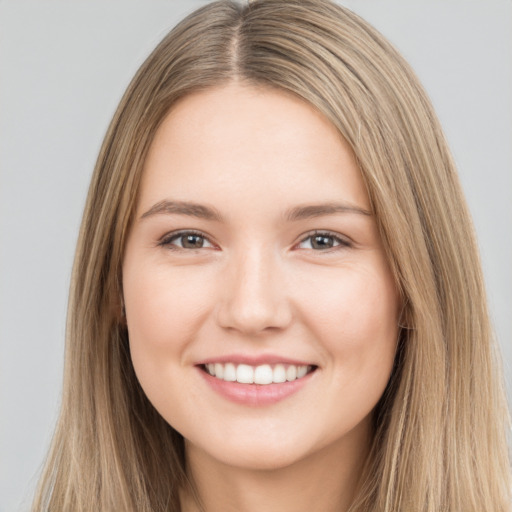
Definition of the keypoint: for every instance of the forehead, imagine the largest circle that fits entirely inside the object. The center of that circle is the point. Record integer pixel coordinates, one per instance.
(242, 143)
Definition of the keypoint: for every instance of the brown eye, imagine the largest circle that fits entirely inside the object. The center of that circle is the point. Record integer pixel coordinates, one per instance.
(323, 241)
(192, 241)
(186, 240)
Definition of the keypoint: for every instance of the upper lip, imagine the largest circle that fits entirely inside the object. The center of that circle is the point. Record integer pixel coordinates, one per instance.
(255, 360)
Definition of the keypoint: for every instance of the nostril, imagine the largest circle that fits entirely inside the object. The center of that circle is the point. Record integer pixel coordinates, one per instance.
(254, 317)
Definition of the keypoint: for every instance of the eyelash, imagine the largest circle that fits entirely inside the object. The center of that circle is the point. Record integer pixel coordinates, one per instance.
(342, 242)
(167, 240)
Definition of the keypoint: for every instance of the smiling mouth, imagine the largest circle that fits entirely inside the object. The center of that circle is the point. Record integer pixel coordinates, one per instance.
(262, 374)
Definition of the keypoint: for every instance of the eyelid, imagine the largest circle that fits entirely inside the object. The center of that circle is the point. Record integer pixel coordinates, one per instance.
(343, 241)
(165, 241)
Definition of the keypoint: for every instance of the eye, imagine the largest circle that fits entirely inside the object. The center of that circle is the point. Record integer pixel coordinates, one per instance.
(322, 241)
(186, 240)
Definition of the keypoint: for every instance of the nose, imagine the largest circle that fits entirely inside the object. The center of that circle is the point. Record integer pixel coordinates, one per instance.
(254, 295)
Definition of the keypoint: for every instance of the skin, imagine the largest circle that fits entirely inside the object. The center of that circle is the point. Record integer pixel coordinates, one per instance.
(259, 285)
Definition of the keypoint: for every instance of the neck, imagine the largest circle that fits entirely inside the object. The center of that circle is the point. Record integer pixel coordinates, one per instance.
(326, 480)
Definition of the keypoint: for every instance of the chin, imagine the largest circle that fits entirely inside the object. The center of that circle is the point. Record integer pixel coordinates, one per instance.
(256, 458)
(258, 452)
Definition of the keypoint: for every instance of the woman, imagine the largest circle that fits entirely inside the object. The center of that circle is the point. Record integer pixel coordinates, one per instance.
(277, 300)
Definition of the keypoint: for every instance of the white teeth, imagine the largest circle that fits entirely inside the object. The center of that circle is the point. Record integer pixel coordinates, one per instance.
(301, 371)
(279, 374)
(219, 370)
(244, 374)
(262, 374)
(291, 373)
(230, 372)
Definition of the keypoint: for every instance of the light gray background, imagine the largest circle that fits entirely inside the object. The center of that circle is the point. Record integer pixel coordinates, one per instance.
(63, 68)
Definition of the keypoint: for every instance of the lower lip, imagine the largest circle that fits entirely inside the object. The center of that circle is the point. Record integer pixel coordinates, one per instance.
(255, 394)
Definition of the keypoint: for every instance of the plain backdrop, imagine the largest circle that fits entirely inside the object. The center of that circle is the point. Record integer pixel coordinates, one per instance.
(63, 68)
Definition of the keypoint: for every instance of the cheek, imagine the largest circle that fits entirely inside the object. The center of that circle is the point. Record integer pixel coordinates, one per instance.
(356, 322)
(162, 305)
(164, 311)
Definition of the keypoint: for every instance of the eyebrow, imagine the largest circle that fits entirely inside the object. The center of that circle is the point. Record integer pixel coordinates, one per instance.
(208, 213)
(184, 208)
(318, 210)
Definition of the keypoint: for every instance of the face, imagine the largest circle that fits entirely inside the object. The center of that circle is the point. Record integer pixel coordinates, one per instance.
(261, 311)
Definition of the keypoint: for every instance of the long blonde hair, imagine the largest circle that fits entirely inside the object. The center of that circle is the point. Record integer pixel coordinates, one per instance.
(440, 442)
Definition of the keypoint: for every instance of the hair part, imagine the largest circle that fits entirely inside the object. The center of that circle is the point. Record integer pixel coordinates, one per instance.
(440, 428)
